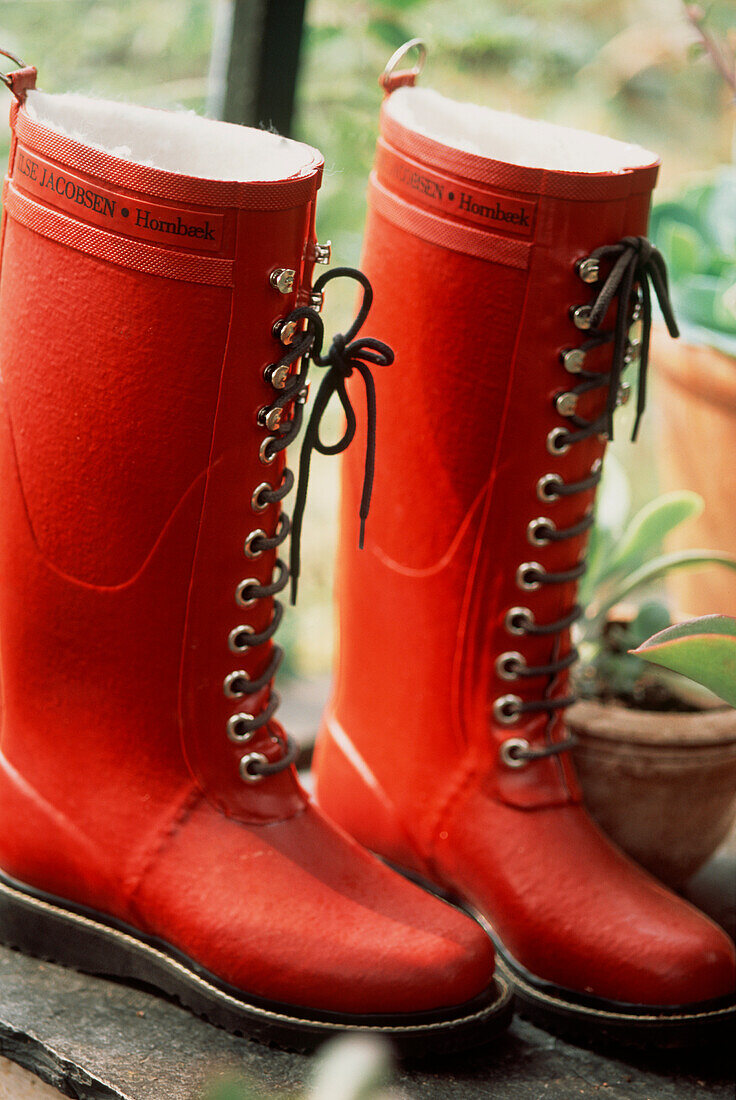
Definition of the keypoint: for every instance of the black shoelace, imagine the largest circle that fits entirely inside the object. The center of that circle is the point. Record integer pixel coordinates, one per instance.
(635, 267)
(345, 355)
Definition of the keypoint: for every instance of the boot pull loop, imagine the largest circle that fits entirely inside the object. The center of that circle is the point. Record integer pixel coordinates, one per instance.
(21, 80)
(390, 79)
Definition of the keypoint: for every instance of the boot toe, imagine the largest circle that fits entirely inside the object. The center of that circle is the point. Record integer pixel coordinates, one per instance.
(298, 914)
(582, 916)
(702, 967)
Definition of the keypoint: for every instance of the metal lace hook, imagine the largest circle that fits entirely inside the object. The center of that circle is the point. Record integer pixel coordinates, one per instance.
(390, 80)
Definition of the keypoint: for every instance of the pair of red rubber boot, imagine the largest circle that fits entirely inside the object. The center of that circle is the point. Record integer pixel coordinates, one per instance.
(157, 325)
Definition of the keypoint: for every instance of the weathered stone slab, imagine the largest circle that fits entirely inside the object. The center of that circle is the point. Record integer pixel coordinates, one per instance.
(99, 1040)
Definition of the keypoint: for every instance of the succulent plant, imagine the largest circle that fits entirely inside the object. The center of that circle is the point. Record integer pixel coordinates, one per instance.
(702, 649)
(625, 560)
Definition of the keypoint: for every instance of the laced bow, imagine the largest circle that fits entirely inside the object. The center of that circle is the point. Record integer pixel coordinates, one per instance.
(637, 263)
(346, 355)
(634, 267)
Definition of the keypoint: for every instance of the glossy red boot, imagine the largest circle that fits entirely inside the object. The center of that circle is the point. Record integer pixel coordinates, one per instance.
(508, 261)
(155, 305)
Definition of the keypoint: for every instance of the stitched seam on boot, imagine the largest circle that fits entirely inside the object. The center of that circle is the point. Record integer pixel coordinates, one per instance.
(191, 799)
(447, 809)
(184, 724)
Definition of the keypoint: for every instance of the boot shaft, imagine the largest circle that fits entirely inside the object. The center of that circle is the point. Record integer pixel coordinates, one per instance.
(443, 748)
(475, 265)
(140, 308)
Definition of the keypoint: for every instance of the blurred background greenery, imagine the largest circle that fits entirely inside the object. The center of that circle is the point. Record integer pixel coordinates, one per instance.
(622, 67)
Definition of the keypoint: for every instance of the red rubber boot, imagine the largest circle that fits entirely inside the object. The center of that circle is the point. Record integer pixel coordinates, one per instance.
(506, 288)
(152, 321)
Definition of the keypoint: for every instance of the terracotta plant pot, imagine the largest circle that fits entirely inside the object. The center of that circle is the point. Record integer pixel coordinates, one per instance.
(696, 419)
(661, 784)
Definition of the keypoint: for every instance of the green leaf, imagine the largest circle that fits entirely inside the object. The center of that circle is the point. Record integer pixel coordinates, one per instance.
(601, 544)
(703, 649)
(720, 214)
(667, 214)
(646, 531)
(684, 248)
(704, 300)
(659, 567)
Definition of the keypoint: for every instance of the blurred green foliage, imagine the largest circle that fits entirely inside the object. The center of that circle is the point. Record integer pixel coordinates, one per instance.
(696, 232)
(618, 66)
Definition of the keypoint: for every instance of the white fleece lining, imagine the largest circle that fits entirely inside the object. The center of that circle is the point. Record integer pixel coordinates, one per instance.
(511, 138)
(175, 141)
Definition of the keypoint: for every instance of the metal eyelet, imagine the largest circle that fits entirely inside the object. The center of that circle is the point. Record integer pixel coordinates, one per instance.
(534, 531)
(573, 360)
(263, 454)
(246, 763)
(235, 684)
(248, 545)
(623, 394)
(509, 664)
(269, 417)
(580, 316)
(557, 441)
(234, 638)
(546, 487)
(566, 403)
(240, 597)
(277, 375)
(588, 269)
(509, 750)
(316, 300)
(284, 331)
(235, 730)
(511, 620)
(260, 505)
(525, 576)
(282, 279)
(507, 709)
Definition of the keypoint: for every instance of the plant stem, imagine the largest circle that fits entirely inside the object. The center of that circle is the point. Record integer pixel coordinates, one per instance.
(720, 54)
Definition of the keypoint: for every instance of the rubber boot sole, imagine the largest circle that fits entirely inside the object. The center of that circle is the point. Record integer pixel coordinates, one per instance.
(51, 929)
(595, 1021)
